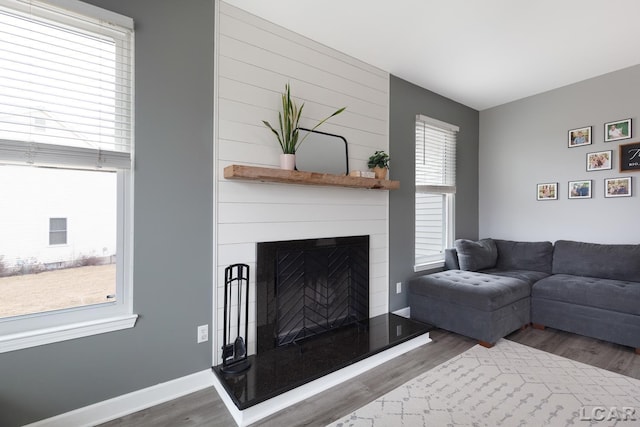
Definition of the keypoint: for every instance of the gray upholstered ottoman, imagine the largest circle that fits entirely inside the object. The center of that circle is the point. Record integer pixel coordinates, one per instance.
(478, 305)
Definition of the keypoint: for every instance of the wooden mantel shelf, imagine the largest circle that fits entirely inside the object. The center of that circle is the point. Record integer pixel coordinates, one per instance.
(252, 173)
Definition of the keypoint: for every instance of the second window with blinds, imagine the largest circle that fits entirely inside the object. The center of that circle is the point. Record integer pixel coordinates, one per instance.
(435, 172)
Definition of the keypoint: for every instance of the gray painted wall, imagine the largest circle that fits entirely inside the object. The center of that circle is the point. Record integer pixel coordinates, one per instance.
(407, 100)
(173, 230)
(525, 142)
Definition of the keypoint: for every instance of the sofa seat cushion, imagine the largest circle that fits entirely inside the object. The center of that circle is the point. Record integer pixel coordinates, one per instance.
(528, 276)
(486, 292)
(607, 294)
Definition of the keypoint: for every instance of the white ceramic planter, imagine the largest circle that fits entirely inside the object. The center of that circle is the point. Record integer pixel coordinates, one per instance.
(288, 161)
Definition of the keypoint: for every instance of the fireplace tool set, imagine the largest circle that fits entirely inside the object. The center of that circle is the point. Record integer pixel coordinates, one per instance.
(236, 294)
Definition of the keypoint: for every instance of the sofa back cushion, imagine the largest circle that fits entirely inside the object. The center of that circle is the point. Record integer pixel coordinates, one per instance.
(617, 262)
(476, 255)
(451, 259)
(532, 256)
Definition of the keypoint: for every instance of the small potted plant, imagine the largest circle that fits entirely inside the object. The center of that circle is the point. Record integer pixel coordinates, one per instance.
(288, 135)
(379, 162)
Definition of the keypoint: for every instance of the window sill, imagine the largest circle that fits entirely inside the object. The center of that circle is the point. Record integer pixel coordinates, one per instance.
(428, 266)
(66, 332)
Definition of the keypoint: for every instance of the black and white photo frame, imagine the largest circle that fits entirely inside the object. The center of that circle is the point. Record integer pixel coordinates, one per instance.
(580, 136)
(580, 189)
(599, 160)
(547, 191)
(617, 130)
(617, 187)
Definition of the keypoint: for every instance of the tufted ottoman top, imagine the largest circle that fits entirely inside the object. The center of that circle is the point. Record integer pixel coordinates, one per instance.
(483, 291)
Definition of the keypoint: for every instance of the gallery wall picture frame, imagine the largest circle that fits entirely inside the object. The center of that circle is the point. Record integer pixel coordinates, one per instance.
(579, 136)
(599, 160)
(617, 187)
(580, 189)
(630, 157)
(547, 191)
(617, 130)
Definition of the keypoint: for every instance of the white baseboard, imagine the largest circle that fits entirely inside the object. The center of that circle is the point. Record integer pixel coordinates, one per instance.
(404, 312)
(129, 403)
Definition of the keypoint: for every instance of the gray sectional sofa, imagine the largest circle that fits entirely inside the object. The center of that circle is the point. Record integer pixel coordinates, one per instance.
(492, 287)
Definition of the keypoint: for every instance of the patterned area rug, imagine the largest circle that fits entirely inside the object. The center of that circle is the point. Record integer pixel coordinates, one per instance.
(507, 385)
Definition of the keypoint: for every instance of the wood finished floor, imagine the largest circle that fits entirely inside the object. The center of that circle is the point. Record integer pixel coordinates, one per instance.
(204, 408)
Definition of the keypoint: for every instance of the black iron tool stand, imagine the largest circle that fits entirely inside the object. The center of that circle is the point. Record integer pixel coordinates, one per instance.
(236, 293)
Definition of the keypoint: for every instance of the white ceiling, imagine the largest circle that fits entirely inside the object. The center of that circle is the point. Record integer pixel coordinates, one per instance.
(481, 53)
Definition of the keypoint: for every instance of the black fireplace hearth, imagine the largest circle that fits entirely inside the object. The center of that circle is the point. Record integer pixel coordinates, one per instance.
(284, 368)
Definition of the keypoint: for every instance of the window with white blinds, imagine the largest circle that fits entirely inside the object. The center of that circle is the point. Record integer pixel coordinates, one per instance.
(435, 172)
(65, 86)
(66, 149)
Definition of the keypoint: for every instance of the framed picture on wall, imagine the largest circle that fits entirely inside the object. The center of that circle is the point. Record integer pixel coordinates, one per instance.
(617, 187)
(547, 191)
(620, 129)
(599, 160)
(630, 157)
(580, 189)
(580, 136)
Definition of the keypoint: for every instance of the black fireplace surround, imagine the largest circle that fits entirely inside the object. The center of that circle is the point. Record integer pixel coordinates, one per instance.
(308, 287)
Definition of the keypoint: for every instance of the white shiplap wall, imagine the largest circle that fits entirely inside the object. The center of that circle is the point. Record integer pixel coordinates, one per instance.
(255, 60)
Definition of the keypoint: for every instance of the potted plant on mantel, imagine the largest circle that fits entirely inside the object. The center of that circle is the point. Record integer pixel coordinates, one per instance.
(288, 135)
(379, 162)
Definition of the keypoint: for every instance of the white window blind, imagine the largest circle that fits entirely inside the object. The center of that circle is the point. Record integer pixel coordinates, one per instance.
(435, 155)
(435, 188)
(66, 92)
(66, 102)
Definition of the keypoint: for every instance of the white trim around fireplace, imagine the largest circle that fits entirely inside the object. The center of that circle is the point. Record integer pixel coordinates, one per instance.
(271, 406)
(404, 312)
